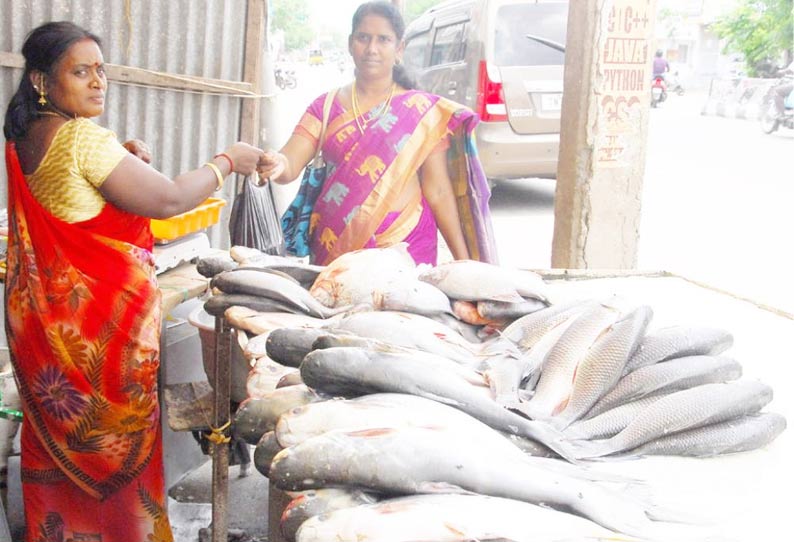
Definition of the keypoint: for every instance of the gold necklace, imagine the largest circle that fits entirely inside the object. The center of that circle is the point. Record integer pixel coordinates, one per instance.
(364, 123)
(55, 113)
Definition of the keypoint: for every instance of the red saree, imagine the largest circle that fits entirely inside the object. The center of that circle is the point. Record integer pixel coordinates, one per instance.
(83, 323)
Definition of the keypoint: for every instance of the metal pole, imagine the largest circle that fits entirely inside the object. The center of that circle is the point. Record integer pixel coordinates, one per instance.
(219, 448)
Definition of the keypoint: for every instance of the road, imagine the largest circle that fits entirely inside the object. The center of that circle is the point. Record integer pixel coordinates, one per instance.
(716, 205)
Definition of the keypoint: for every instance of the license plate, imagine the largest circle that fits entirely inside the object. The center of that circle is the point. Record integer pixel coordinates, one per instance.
(551, 102)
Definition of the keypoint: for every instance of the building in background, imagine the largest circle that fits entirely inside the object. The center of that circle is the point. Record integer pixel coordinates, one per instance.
(683, 33)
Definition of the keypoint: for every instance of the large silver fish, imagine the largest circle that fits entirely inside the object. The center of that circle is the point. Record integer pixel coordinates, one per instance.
(382, 410)
(499, 310)
(559, 367)
(452, 518)
(681, 410)
(259, 323)
(257, 416)
(257, 282)
(429, 361)
(679, 341)
(411, 295)
(413, 460)
(320, 502)
(352, 277)
(289, 345)
(732, 436)
(265, 376)
(529, 329)
(266, 449)
(676, 374)
(409, 330)
(505, 367)
(610, 422)
(471, 280)
(603, 365)
(342, 368)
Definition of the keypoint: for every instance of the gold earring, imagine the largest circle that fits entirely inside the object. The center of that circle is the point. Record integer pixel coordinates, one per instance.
(42, 99)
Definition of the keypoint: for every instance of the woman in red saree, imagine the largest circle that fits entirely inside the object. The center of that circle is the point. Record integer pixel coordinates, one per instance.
(402, 164)
(82, 304)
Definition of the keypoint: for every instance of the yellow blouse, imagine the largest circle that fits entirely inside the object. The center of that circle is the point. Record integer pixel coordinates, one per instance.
(80, 158)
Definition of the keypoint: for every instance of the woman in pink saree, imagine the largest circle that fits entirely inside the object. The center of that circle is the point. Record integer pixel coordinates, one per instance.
(402, 164)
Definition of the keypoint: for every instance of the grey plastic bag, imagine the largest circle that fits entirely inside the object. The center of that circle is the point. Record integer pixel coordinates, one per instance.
(253, 221)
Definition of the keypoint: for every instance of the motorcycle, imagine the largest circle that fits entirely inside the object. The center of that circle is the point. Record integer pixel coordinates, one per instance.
(770, 119)
(285, 78)
(674, 84)
(658, 90)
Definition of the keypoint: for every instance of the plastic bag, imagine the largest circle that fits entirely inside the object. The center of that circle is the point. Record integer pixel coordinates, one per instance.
(254, 222)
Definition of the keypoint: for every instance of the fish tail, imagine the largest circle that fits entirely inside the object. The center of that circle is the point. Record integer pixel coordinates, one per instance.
(591, 449)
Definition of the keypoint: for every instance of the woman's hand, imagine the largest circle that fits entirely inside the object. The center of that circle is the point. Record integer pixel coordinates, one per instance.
(245, 157)
(271, 165)
(138, 148)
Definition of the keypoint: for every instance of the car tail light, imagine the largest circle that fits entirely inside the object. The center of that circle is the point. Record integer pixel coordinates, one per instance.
(490, 97)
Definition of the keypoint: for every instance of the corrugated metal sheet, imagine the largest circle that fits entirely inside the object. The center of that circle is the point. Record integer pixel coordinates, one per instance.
(204, 38)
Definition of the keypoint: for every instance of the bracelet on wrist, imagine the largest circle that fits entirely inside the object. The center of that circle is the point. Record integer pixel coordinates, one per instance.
(218, 175)
(228, 159)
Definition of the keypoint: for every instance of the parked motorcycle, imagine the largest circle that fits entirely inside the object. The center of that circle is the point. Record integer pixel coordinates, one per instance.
(674, 84)
(658, 90)
(285, 78)
(770, 118)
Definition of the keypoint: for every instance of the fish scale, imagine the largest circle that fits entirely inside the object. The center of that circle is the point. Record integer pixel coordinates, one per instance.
(603, 365)
(676, 374)
(559, 367)
(529, 329)
(695, 407)
(737, 435)
(610, 422)
(678, 341)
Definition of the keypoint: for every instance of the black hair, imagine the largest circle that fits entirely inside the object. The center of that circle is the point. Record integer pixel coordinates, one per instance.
(388, 11)
(43, 48)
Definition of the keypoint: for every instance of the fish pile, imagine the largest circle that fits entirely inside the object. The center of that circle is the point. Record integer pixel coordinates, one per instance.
(403, 402)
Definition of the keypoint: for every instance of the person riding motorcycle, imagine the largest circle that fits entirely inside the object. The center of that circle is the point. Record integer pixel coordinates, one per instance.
(660, 65)
(784, 88)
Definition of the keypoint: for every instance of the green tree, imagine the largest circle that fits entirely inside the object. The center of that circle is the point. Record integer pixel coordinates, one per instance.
(292, 16)
(762, 30)
(414, 8)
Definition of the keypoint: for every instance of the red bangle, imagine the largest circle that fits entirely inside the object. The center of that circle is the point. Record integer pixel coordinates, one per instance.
(228, 158)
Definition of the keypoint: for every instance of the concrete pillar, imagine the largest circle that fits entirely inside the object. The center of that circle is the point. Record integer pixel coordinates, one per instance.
(604, 123)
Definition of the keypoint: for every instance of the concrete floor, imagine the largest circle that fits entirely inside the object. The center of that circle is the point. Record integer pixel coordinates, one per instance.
(189, 505)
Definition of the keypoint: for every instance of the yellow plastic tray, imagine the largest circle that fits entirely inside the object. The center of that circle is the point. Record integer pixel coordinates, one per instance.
(203, 216)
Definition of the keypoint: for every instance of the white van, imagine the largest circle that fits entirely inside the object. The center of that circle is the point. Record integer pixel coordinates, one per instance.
(504, 59)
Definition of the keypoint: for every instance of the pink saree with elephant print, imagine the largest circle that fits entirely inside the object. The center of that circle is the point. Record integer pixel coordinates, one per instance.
(367, 173)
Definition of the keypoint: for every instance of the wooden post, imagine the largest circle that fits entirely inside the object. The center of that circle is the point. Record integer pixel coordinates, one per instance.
(604, 125)
(220, 417)
(256, 22)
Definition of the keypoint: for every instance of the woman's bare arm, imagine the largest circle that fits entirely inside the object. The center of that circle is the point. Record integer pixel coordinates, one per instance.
(138, 188)
(437, 189)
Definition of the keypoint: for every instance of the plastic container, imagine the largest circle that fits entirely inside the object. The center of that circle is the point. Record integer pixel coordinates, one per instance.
(203, 216)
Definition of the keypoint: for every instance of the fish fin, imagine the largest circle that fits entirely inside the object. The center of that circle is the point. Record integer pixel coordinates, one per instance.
(512, 297)
(441, 488)
(591, 449)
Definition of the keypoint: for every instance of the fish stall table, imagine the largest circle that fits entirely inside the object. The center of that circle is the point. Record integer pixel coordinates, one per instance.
(739, 497)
